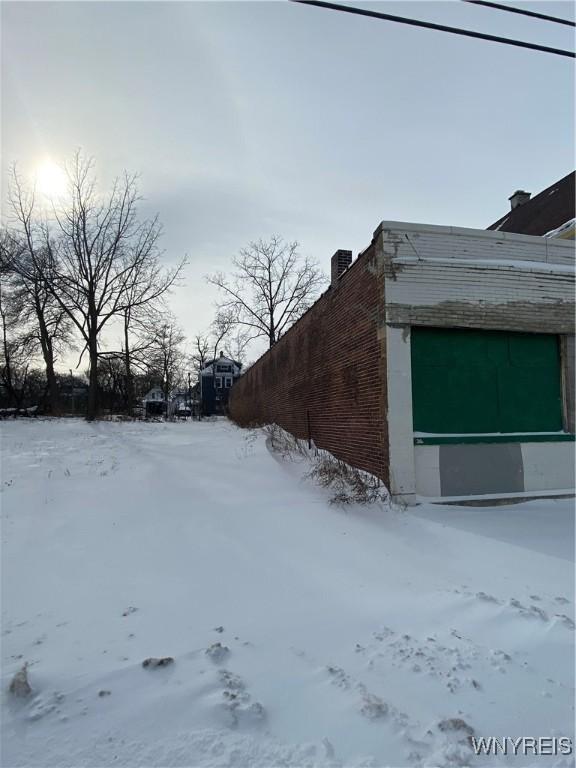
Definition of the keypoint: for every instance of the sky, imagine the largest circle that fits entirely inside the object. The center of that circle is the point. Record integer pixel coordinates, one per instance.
(247, 119)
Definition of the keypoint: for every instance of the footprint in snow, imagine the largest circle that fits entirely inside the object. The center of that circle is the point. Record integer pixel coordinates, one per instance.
(338, 677)
(237, 704)
(44, 705)
(456, 725)
(487, 598)
(371, 706)
(565, 620)
(533, 611)
(154, 663)
(217, 652)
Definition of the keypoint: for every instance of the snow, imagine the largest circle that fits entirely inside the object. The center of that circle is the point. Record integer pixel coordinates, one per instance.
(301, 634)
(563, 229)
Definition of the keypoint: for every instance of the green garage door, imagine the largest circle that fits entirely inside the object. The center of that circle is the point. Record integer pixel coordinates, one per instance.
(485, 381)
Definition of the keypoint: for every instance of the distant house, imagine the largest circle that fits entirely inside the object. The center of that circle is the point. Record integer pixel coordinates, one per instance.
(184, 402)
(216, 379)
(154, 403)
(550, 213)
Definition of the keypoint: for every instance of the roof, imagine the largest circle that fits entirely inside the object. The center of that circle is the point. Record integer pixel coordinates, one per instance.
(222, 360)
(546, 211)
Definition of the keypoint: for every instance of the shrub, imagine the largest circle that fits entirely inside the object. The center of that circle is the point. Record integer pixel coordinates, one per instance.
(348, 484)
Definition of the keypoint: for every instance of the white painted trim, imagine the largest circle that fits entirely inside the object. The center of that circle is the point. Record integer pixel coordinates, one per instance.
(400, 434)
(496, 496)
(490, 434)
(485, 234)
(500, 264)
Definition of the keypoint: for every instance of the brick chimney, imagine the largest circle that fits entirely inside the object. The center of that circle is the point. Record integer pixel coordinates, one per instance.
(519, 198)
(339, 264)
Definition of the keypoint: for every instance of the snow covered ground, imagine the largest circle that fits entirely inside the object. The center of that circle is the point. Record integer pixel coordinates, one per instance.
(357, 637)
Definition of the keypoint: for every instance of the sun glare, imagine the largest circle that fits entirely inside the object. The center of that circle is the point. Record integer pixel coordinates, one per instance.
(51, 179)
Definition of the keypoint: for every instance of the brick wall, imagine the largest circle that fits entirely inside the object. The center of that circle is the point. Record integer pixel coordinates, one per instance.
(330, 365)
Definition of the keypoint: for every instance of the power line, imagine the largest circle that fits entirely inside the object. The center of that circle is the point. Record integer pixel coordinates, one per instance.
(512, 9)
(439, 27)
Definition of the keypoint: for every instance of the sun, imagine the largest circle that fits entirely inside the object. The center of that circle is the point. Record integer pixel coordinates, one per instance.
(51, 179)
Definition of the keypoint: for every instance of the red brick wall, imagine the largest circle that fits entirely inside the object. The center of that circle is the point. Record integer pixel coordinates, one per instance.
(331, 363)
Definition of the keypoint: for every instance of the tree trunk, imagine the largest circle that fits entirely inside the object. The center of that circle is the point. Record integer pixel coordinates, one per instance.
(129, 394)
(52, 384)
(48, 355)
(7, 363)
(92, 412)
(272, 334)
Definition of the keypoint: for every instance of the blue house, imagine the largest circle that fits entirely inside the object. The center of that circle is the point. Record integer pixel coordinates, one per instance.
(216, 379)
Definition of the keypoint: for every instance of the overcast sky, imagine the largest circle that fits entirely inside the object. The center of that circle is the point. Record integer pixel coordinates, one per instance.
(246, 119)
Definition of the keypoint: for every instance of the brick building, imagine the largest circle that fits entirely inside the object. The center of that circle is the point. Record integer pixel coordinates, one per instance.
(440, 360)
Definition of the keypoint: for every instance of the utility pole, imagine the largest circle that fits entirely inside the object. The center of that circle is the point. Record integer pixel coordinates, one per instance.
(189, 395)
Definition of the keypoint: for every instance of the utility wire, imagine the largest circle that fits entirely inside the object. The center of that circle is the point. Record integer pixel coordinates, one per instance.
(439, 27)
(512, 9)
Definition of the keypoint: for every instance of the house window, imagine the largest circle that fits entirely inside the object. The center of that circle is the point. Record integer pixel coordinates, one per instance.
(228, 382)
(218, 382)
(476, 381)
(224, 368)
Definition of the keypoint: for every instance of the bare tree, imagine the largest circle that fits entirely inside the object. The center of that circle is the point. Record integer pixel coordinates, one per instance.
(112, 380)
(102, 260)
(236, 344)
(166, 356)
(222, 326)
(139, 334)
(212, 341)
(272, 285)
(37, 310)
(200, 352)
(17, 350)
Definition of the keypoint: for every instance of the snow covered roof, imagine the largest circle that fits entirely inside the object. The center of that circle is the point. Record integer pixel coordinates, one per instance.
(152, 394)
(223, 360)
(565, 232)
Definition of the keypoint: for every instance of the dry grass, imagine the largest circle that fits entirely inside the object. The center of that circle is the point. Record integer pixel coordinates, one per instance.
(285, 444)
(348, 484)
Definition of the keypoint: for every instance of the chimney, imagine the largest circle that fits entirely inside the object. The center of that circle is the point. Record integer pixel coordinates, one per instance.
(518, 198)
(339, 264)
(221, 354)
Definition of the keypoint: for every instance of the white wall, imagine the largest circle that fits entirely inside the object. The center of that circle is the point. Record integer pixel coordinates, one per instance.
(400, 437)
(454, 277)
(548, 466)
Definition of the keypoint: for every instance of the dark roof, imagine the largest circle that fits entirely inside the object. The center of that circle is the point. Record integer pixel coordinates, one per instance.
(547, 210)
(221, 360)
